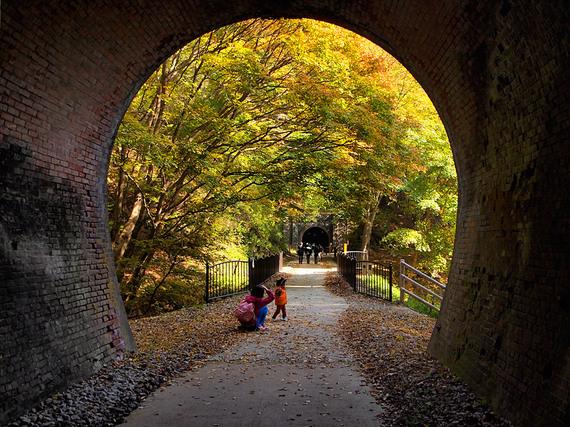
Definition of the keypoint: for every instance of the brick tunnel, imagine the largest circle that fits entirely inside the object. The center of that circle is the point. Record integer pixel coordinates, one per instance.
(497, 72)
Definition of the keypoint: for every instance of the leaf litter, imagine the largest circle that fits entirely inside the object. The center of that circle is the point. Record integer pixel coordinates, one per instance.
(390, 343)
(168, 345)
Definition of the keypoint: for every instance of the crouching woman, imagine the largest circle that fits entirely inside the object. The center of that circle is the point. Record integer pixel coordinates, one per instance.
(260, 305)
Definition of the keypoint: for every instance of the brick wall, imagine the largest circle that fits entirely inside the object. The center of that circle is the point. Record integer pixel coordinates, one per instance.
(496, 70)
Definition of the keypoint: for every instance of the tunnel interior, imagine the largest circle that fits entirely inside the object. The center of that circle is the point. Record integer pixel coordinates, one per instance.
(497, 72)
(317, 236)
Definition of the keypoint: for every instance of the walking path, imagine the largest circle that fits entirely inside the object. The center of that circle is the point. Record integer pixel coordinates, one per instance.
(296, 373)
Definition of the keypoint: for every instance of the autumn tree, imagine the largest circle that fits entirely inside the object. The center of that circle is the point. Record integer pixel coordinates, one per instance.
(216, 127)
(247, 126)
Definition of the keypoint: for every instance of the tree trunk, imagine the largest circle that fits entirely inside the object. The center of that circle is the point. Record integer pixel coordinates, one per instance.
(125, 237)
(369, 221)
(118, 205)
(140, 270)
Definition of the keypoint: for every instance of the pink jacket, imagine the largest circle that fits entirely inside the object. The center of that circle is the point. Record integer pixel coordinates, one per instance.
(260, 302)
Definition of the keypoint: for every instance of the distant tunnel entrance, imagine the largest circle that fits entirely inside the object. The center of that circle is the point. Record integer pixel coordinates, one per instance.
(317, 236)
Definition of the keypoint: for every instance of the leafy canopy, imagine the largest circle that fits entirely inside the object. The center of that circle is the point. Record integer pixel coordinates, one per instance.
(263, 121)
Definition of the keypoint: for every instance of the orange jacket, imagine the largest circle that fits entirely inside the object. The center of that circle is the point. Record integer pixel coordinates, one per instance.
(280, 299)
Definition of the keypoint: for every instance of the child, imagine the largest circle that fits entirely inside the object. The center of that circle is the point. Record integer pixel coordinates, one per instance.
(280, 300)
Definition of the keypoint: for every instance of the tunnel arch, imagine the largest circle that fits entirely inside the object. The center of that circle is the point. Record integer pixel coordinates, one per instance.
(316, 235)
(497, 74)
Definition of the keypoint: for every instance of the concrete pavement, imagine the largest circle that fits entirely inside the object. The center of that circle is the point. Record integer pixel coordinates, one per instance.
(297, 373)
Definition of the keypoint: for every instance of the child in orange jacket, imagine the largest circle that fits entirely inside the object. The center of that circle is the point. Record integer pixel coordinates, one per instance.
(280, 300)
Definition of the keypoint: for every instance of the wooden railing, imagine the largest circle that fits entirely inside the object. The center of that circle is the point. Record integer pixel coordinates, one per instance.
(405, 278)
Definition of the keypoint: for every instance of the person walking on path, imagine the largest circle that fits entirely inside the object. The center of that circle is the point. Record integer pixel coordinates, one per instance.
(316, 253)
(308, 251)
(260, 304)
(300, 252)
(280, 300)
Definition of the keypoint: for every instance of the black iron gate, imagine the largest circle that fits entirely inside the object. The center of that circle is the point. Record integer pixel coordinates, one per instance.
(367, 277)
(374, 279)
(226, 278)
(229, 278)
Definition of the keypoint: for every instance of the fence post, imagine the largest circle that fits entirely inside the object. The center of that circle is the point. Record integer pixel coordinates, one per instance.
(250, 270)
(390, 281)
(402, 281)
(207, 282)
(353, 272)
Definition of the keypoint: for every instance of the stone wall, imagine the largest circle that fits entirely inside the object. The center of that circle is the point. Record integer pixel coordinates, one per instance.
(497, 71)
(501, 327)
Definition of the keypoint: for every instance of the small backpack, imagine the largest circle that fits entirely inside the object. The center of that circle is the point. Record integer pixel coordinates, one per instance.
(278, 292)
(245, 312)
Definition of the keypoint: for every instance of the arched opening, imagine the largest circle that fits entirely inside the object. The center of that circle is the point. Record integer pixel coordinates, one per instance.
(497, 74)
(317, 236)
(222, 137)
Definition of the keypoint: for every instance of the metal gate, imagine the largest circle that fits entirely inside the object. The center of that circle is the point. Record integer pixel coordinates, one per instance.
(367, 277)
(374, 279)
(226, 278)
(229, 278)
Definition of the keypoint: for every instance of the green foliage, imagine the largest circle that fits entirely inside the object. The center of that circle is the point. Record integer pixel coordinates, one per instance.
(415, 304)
(416, 212)
(264, 121)
(405, 238)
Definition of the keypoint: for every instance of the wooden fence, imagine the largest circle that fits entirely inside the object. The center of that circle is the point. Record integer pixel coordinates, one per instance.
(405, 278)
